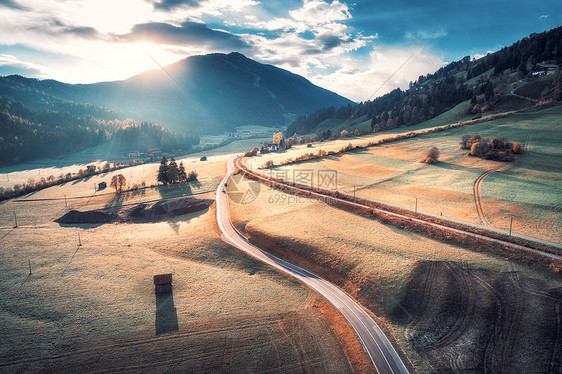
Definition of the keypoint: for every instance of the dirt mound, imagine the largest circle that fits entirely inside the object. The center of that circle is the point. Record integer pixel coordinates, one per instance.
(75, 216)
(143, 212)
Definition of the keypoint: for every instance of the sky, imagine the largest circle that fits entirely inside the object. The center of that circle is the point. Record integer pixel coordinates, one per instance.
(359, 49)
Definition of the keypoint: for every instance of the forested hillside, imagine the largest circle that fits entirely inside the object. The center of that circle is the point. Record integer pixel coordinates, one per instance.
(35, 125)
(487, 82)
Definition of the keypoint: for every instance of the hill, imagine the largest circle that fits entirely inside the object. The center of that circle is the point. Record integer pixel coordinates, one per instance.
(36, 125)
(512, 78)
(202, 94)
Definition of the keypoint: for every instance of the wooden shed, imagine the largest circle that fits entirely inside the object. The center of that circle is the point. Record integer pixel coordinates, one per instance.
(163, 283)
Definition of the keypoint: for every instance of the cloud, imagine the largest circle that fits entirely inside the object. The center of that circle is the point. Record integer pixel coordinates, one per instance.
(544, 16)
(379, 73)
(55, 27)
(12, 65)
(426, 34)
(172, 4)
(12, 4)
(187, 34)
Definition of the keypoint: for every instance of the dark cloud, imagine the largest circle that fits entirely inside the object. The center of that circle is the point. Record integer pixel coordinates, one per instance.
(329, 42)
(188, 34)
(12, 4)
(56, 27)
(172, 4)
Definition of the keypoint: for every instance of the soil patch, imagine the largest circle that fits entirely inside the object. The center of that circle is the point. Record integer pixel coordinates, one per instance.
(144, 212)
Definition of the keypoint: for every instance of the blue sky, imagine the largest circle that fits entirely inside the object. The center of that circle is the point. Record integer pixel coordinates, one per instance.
(348, 47)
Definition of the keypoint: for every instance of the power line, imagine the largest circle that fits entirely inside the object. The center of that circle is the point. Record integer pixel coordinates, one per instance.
(391, 75)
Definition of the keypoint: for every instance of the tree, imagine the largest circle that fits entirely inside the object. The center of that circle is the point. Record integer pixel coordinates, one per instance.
(163, 171)
(172, 173)
(466, 141)
(182, 176)
(517, 148)
(192, 176)
(432, 156)
(277, 137)
(118, 182)
(344, 133)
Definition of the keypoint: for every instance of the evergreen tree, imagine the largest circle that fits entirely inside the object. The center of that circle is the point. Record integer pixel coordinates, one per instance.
(182, 175)
(173, 171)
(163, 171)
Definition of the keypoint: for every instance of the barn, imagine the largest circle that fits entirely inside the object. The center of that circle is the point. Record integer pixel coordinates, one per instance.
(163, 283)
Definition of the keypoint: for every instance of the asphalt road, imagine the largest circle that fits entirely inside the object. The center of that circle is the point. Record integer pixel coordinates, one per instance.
(382, 353)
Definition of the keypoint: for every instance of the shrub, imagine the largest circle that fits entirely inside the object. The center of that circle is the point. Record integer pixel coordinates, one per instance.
(268, 164)
(434, 154)
(466, 141)
(252, 153)
(517, 148)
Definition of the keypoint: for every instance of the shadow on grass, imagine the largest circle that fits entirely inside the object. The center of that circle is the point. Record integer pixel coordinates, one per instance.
(166, 314)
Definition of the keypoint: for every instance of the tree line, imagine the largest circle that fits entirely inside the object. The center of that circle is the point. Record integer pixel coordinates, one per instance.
(35, 125)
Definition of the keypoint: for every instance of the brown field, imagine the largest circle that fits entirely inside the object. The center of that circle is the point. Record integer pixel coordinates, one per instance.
(448, 308)
(92, 308)
(527, 190)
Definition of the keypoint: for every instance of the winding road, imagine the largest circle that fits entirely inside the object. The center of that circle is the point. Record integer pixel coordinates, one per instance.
(376, 344)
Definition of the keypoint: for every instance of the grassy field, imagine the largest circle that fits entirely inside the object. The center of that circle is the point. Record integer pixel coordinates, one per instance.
(529, 189)
(19, 174)
(92, 307)
(450, 309)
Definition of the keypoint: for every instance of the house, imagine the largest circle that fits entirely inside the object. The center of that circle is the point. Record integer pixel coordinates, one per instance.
(272, 147)
(134, 154)
(102, 186)
(154, 152)
(544, 69)
(162, 283)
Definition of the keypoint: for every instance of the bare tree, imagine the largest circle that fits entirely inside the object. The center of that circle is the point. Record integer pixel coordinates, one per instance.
(118, 182)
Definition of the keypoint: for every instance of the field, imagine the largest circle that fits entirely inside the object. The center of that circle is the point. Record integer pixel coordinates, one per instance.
(527, 190)
(89, 303)
(21, 173)
(448, 308)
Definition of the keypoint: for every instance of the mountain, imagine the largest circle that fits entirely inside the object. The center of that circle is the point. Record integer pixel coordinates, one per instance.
(514, 77)
(203, 94)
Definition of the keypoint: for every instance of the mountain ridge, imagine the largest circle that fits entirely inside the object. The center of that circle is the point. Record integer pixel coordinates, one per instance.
(205, 93)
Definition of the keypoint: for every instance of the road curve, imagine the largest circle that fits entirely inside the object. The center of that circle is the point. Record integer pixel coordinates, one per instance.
(382, 353)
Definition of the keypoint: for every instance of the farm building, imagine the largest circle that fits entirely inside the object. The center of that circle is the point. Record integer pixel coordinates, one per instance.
(102, 186)
(163, 283)
(272, 147)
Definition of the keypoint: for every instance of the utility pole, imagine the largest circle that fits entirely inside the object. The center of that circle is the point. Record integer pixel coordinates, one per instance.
(353, 192)
(416, 205)
(65, 204)
(79, 241)
(510, 224)
(15, 219)
(29, 266)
